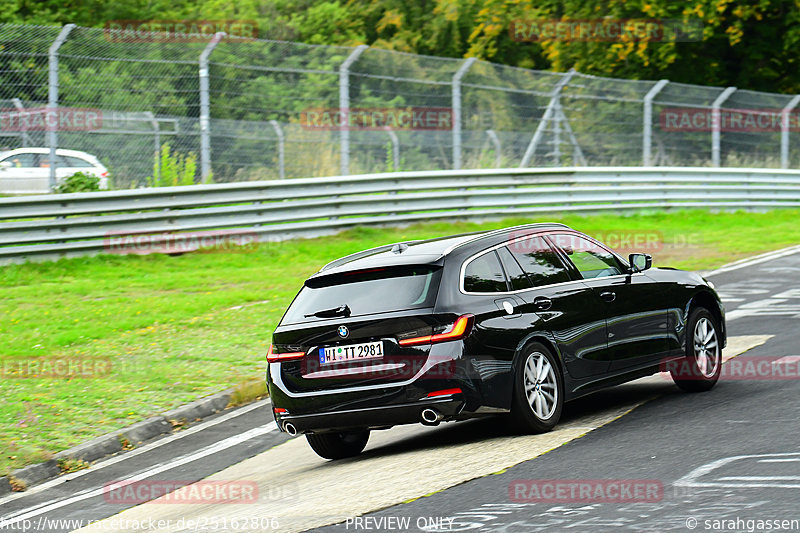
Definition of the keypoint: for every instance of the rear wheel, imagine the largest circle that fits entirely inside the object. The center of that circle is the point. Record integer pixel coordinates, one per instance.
(700, 370)
(538, 391)
(338, 445)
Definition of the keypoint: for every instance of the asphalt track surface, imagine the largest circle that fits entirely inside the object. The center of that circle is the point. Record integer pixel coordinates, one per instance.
(727, 460)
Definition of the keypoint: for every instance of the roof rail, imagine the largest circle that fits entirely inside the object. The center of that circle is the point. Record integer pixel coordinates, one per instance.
(501, 230)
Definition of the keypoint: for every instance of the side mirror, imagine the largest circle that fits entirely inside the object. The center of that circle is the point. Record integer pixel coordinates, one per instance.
(5, 164)
(640, 262)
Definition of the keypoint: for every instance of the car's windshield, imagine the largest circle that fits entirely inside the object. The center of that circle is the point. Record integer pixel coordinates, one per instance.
(366, 292)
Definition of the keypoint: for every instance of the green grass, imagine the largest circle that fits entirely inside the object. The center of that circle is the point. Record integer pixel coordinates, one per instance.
(177, 328)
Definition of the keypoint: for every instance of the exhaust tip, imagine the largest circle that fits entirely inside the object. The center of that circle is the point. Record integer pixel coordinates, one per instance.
(289, 428)
(431, 417)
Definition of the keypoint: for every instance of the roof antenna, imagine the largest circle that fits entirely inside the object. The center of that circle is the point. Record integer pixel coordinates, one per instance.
(399, 248)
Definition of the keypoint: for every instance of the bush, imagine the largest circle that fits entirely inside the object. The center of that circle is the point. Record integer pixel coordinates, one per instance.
(173, 169)
(79, 182)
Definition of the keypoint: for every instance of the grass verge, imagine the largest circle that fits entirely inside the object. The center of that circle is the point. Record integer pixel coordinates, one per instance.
(159, 331)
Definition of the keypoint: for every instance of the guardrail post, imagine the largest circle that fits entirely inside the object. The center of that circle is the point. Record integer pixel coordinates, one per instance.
(785, 130)
(647, 130)
(716, 124)
(279, 133)
(548, 114)
(344, 106)
(497, 148)
(456, 109)
(52, 97)
(205, 107)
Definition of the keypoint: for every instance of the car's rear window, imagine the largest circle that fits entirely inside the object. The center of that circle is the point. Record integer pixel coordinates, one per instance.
(378, 290)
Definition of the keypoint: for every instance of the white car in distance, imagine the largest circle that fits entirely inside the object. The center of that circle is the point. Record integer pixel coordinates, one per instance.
(27, 170)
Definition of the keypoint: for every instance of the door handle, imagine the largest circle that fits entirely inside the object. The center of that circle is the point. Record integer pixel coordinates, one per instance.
(608, 296)
(542, 303)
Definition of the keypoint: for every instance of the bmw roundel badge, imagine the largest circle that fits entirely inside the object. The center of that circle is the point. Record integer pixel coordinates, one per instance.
(343, 331)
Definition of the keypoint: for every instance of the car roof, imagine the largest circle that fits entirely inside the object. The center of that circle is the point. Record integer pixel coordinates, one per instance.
(422, 252)
(40, 150)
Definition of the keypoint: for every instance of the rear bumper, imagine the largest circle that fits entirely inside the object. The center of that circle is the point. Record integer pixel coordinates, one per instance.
(372, 417)
(484, 383)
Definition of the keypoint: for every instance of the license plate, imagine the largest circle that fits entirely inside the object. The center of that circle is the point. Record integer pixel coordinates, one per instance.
(351, 352)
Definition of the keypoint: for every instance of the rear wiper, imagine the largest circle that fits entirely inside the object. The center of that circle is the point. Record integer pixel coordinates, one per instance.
(342, 310)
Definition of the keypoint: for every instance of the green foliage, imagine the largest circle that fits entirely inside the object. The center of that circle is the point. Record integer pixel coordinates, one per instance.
(171, 170)
(79, 182)
(746, 44)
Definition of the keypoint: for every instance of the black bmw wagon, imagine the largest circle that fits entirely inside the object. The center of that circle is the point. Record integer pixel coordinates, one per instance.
(514, 321)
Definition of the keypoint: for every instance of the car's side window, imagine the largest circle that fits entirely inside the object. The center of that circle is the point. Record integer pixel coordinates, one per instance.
(23, 160)
(516, 276)
(539, 261)
(591, 260)
(76, 162)
(484, 274)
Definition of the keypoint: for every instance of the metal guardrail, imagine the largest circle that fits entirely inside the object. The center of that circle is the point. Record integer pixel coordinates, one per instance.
(53, 226)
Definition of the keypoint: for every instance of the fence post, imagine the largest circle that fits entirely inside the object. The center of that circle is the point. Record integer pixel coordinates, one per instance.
(552, 105)
(716, 124)
(647, 131)
(156, 147)
(497, 148)
(52, 97)
(205, 111)
(279, 133)
(456, 105)
(785, 130)
(24, 133)
(395, 147)
(344, 106)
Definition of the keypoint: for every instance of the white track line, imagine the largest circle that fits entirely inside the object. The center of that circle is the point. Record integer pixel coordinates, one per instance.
(755, 260)
(208, 450)
(138, 451)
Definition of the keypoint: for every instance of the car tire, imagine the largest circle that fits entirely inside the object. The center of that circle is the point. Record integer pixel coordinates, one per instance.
(538, 395)
(700, 369)
(338, 445)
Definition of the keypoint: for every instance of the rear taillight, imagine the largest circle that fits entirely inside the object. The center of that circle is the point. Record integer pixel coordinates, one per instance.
(104, 174)
(458, 330)
(275, 357)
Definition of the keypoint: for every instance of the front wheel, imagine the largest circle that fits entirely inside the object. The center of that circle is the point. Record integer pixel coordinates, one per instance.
(538, 391)
(701, 368)
(338, 445)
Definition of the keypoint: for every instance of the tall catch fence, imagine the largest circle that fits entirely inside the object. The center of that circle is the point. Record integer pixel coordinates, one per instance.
(249, 109)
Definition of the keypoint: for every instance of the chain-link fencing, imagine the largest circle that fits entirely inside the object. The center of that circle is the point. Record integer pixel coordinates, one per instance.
(225, 109)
